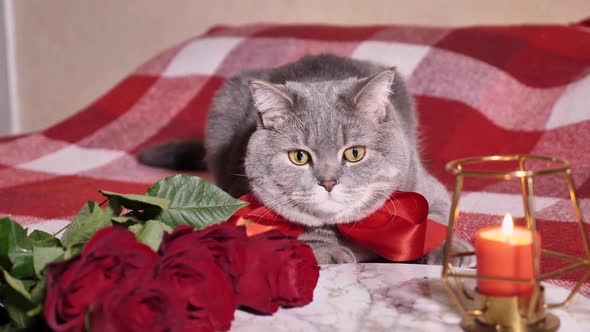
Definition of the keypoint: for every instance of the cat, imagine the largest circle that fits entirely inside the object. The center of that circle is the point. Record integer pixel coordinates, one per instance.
(321, 141)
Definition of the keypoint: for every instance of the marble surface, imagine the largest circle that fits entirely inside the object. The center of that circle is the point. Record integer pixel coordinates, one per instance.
(388, 297)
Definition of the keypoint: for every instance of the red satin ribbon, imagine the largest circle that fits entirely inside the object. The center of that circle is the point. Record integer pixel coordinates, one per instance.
(399, 231)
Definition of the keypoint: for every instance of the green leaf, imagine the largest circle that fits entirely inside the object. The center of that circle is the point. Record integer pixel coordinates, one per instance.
(43, 239)
(137, 202)
(28, 283)
(35, 311)
(4, 230)
(18, 315)
(124, 220)
(15, 246)
(16, 301)
(127, 220)
(166, 228)
(38, 291)
(135, 229)
(5, 225)
(115, 206)
(44, 255)
(90, 219)
(151, 233)
(73, 251)
(16, 285)
(193, 201)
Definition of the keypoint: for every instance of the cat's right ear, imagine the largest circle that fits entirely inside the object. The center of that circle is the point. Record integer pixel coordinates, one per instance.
(272, 102)
(372, 99)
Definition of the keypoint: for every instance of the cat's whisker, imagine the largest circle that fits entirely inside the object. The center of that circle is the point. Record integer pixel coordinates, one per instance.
(239, 174)
(389, 199)
(270, 209)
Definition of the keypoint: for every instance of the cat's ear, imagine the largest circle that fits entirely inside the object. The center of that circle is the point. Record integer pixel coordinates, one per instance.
(272, 102)
(372, 97)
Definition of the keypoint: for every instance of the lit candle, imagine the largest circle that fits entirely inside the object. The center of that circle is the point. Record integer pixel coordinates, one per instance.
(505, 251)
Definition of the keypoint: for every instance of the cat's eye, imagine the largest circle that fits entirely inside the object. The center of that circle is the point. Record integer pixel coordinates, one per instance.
(354, 154)
(299, 157)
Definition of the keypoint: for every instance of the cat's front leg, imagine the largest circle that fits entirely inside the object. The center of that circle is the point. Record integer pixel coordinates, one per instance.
(330, 248)
(436, 256)
(327, 253)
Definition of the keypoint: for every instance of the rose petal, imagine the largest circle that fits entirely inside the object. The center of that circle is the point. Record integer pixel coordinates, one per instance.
(198, 280)
(147, 306)
(110, 257)
(280, 270)
(53, 301)
(226, 243)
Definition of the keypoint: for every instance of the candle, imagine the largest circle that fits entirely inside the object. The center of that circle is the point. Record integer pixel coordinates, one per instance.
(505, 251)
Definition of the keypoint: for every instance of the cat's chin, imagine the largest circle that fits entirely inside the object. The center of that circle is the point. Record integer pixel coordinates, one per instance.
(328, 212)
(329, 207)
(322, 208)
(314, 220)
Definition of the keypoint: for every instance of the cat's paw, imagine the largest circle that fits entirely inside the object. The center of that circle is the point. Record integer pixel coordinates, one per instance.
(333, 254)
(436, 256)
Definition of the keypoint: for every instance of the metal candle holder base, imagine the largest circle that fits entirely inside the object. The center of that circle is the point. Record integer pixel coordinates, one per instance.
(509, 314)
(513, 313)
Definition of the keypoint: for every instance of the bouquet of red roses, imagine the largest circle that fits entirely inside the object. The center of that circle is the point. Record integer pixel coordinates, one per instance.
(124, 268)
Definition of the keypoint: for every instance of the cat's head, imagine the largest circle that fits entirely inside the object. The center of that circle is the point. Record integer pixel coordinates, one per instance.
(327, 152)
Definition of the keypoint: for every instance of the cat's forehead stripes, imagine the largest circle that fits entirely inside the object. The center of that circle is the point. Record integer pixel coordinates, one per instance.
(321, 111)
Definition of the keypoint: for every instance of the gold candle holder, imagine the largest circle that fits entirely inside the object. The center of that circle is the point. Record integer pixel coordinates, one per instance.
(512, 313)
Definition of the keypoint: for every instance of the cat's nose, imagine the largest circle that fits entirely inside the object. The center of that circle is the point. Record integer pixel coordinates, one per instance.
(328, 184)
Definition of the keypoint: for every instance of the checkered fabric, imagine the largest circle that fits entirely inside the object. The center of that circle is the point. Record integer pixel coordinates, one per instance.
(479, 91)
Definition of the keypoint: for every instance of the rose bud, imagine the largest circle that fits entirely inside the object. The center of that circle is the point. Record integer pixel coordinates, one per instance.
(109, 257)
(225, 242)
(148, 305)
(279, 271)
(206, 290)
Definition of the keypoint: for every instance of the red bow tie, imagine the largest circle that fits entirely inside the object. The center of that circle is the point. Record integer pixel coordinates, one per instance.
(399, 231)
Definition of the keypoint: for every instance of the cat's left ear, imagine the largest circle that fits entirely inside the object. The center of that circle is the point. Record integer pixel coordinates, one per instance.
(272, 102)
(372, 98)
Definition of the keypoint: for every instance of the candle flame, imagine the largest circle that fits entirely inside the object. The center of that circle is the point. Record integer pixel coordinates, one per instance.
(507, 224)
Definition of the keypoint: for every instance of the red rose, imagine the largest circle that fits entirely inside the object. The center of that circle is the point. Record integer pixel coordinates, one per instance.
(194, 284)
(207, 291)
(226, 244)
(148, 305)
(279, 271)
(112, 255)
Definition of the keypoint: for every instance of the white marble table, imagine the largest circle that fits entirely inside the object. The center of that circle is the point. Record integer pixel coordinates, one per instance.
(388, 297)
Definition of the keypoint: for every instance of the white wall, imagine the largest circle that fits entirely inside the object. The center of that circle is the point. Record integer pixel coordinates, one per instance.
(5, 109)
(69, 52)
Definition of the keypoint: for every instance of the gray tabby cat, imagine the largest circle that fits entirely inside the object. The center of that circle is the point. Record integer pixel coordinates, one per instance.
(321, 141)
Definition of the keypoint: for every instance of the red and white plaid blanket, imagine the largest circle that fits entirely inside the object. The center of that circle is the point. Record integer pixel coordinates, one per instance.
(479, 91)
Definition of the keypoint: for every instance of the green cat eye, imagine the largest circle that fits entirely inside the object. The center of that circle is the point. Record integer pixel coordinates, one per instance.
(354, 154)
(299, 157)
